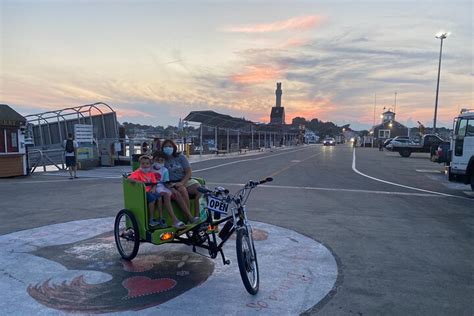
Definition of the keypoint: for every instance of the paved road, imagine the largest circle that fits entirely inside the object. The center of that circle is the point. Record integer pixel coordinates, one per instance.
(401, 249)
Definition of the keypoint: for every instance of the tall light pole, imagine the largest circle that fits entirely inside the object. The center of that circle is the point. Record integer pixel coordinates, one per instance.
(395, 106)
(441, 36)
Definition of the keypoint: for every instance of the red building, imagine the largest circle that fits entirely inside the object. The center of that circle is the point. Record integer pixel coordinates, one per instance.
(12, 144)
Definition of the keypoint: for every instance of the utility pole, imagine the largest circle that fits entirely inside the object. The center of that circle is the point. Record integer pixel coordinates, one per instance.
(440, 36)
(395, 106)
(375, 105)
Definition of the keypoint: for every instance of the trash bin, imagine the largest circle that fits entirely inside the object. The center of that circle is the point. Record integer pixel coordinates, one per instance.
(135, 162)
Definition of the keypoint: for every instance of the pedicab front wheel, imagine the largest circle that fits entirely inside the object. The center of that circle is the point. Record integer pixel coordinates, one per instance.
(247, 259)
(126, 234)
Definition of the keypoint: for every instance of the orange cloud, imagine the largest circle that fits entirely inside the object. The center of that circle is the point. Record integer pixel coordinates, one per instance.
(297, 23)
(131, 113)
(255, 74)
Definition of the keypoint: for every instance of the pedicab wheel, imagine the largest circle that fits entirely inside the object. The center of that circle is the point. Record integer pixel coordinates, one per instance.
(126, 234)
(247, 259)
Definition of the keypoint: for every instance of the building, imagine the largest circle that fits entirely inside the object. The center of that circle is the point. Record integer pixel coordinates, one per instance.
(277, 116)
(12, 143)
(389, 127)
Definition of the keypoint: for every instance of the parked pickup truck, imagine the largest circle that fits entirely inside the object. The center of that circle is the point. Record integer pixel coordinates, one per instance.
(428, 144)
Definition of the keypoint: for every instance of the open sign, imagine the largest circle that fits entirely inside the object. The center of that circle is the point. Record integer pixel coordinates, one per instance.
(217, 205)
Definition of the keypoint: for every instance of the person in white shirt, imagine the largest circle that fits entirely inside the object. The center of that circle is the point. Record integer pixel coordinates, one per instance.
(70, 154)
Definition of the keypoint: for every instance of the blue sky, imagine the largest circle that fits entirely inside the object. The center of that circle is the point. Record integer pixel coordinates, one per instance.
(154, 61)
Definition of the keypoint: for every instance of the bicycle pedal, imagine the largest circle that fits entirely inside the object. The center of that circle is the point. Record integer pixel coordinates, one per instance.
(227, 261)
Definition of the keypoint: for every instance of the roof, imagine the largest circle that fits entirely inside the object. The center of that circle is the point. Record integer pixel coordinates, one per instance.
(10, 117)
(467, 113)
(388, 112)
(214, 119)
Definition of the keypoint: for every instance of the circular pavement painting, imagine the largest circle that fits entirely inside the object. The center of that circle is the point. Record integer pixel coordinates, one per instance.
(75, 268)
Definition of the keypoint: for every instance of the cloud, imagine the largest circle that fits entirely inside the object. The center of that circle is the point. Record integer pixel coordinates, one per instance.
(257, 74)
(121, 113)
(296, 23)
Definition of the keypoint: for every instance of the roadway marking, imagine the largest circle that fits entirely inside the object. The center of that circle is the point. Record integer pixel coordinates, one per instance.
(250, 159)
(291, 187)
(429, 170)
(397, 184)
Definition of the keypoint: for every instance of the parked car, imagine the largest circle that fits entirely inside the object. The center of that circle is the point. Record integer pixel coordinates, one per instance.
(329, 141)
(402, 137)
(386, 142)
(461, 167)
(398, 142)
(427, 144)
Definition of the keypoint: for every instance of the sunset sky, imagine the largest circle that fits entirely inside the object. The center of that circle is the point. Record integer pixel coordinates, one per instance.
(155, 61)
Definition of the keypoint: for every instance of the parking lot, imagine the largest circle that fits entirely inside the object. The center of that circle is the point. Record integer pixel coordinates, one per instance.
(399, 232)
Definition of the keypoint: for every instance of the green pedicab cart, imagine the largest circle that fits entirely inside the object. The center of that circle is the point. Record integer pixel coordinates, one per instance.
(131, 223)
(131, 226)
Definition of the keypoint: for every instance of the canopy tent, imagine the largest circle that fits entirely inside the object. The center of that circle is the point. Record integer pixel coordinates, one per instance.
(227, 133)
(213, 119)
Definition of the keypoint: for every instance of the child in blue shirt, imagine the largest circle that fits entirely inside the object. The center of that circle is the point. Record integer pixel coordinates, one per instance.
(162, 174)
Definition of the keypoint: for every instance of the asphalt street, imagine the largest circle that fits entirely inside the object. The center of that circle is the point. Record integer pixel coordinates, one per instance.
(401, 234)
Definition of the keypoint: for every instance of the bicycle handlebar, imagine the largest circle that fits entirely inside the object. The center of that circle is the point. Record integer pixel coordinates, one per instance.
(219, 190)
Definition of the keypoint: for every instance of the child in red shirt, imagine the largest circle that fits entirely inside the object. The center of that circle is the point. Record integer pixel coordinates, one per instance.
(144, 174)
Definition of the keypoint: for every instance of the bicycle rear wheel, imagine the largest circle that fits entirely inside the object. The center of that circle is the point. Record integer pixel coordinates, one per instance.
(247, 259)
(126, 234)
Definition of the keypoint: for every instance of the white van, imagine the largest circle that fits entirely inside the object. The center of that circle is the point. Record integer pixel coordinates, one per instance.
(461, 167)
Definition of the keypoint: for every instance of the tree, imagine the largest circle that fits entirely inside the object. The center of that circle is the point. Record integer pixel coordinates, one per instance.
(297, 121)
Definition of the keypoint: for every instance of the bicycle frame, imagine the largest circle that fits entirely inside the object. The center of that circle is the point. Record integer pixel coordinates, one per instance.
(238, 216)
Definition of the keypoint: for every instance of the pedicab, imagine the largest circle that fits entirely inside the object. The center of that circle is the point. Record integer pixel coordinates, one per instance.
(217, 206)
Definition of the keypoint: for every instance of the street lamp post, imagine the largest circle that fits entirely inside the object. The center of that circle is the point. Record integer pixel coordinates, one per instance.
(441, 36)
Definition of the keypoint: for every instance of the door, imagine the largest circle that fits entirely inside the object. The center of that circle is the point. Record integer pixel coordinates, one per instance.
(462, 145)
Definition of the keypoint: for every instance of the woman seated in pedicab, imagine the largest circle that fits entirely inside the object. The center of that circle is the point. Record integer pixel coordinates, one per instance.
(145, 174)
(180, 176)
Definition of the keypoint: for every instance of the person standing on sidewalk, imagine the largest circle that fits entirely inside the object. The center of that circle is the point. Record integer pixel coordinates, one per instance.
(70, 154)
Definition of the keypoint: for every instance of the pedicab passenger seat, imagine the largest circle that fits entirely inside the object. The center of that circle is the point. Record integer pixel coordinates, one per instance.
(134, 197)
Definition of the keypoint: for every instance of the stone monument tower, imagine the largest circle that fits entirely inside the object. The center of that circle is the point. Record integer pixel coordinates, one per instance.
(277, 115)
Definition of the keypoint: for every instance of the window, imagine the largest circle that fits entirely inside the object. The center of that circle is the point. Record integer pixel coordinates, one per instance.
(470, 128)
(461, 127)
(384, 133)
(12, 140)
(2, 141)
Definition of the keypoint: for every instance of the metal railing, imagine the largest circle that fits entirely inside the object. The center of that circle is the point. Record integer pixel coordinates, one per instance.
(43, 158)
